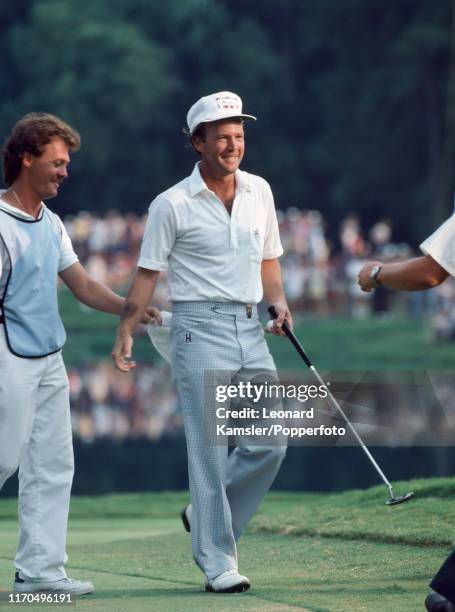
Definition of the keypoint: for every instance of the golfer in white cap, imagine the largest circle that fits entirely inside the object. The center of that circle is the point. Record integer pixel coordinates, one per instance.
(217, 236)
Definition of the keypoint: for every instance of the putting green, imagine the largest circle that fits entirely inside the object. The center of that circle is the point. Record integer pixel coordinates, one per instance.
(144, 563)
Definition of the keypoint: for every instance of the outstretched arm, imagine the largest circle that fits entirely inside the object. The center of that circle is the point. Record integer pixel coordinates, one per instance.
(89, 291)
(412, 275)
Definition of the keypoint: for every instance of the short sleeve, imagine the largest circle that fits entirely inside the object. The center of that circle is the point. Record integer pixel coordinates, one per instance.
(440, 246)
(272, 242)
(159, 236)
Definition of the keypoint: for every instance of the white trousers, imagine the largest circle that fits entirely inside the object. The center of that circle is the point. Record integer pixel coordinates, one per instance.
(35, 435)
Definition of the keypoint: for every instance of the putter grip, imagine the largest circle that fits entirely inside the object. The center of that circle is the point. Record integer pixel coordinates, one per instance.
(292, 337)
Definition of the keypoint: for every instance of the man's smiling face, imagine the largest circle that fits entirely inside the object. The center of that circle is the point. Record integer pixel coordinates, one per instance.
(47, 171)
(223, 147)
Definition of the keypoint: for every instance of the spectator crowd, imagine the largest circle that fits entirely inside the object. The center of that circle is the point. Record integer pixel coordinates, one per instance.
(320, 277)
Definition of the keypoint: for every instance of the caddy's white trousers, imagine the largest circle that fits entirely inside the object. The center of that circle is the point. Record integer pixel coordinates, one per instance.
(35, 435)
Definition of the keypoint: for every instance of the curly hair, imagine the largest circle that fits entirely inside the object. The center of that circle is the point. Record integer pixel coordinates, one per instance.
(29, 135)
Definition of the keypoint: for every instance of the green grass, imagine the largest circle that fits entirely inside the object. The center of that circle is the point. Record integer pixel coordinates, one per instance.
(376, 344)
(426, 520)
(341, 552)
(338, 344)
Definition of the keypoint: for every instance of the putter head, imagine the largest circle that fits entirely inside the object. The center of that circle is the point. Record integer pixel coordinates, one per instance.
(394, 501)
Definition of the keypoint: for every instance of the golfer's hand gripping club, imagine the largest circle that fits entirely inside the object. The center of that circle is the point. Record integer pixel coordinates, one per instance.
(292, 338)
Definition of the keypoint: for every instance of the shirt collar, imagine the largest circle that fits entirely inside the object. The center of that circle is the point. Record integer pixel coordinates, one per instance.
(17, 211)
(197, 183)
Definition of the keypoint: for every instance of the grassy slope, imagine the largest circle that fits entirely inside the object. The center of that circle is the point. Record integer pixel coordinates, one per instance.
(321, 552)
(426, 520)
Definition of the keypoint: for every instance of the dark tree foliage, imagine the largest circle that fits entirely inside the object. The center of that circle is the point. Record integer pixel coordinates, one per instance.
(355, 98)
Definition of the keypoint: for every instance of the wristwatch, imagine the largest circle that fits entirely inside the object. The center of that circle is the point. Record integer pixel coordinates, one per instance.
(374, 276)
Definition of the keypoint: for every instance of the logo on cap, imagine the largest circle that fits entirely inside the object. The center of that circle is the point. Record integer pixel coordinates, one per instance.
(220, 105)
(228, 104)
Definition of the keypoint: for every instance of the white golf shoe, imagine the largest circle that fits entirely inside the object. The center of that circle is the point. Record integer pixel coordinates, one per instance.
(227, 582)
(65, 585)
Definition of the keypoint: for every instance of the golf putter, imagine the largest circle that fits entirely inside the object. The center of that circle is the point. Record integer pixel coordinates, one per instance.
(392, 500)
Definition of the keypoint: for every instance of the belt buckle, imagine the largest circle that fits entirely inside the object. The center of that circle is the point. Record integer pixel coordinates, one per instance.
(249, 310)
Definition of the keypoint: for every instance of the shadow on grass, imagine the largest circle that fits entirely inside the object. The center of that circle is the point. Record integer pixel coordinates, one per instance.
(171, 593)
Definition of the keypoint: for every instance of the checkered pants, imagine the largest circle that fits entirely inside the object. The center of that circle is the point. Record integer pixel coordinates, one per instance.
(225, 490)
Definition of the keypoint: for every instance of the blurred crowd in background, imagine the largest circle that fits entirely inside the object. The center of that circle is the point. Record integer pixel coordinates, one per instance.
(104, 404)
(320, 278)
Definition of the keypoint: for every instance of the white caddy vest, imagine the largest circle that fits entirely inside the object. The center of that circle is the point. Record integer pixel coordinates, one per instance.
(33, 327)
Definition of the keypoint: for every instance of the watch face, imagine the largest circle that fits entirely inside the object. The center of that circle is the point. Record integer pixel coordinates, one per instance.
(374, 272)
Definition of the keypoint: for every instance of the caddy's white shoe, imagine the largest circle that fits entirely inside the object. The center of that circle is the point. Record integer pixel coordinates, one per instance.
(66, 585)
(227, 582)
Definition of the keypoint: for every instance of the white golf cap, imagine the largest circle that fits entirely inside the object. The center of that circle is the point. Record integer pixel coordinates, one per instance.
(221, 105)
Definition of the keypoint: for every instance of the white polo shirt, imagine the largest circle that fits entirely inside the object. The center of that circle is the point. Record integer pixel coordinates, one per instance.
(441, 245)
(209, 255)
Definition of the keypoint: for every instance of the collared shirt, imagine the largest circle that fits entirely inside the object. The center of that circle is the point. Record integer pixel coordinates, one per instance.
(209, 254)
(441, 246)
(67, 255)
